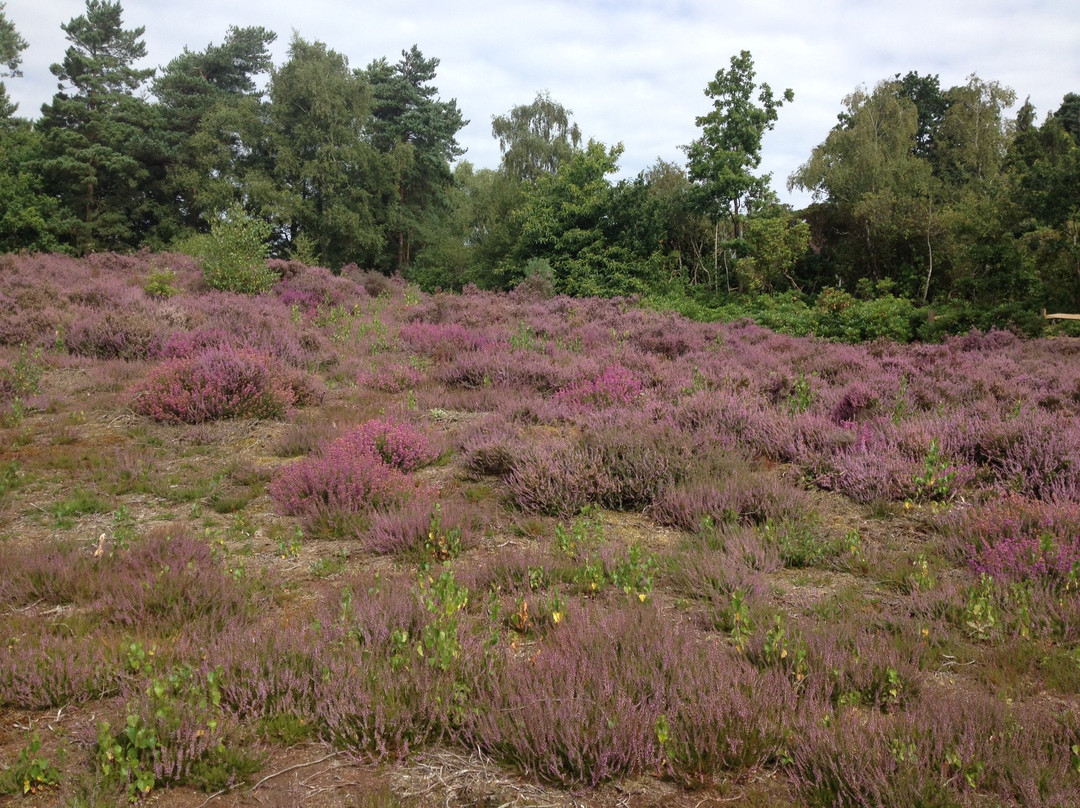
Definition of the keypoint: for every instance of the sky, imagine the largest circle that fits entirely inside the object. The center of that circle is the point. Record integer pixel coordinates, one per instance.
(632, 71)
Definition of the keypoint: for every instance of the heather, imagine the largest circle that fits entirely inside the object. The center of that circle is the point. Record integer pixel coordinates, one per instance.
(575, 542)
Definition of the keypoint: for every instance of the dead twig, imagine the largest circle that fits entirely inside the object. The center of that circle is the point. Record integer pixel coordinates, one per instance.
(292, 768)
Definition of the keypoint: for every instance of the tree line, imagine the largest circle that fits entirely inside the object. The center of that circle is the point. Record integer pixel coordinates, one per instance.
(922, 194)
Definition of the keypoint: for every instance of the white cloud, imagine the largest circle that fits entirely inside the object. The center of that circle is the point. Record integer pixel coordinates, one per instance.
(632, 71)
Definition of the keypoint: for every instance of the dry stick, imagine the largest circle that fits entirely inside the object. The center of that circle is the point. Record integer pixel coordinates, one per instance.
(292, 768)
(213, 796)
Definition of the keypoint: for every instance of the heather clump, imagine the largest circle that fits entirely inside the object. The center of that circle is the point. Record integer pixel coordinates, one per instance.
(115, 334)
(490, 447)
(399, 445)
(941, 751)
(431, 533)
(614, 387)
(442, 341)
(1016, 539)
(170, 579)
(624, 681)
(41, 668)
(363, 470)
(743, 495)
(222, 383)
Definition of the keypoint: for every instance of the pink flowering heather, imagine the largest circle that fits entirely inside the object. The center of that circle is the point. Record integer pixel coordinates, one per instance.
(1013, 538)
(389, 377)
(365, 469)
(340, 480)
(615, 386)
(222, 383)
(442, 341)
(398, 445)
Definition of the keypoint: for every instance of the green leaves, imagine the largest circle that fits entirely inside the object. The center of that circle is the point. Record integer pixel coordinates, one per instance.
(235, 254)
(720, 161)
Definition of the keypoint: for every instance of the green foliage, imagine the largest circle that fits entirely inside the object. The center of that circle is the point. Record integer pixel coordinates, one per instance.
(102, 144)
(443, 598)
(441, 544)
(581, 535)
(570, 220)
(802, 395)
(937, 482)
(80, 503)
(633, 573)
(803, 543)
(32, 771)
(160, 284)
(286, 729)
(328, 177)
(128, 757)
(23, 378)
(721, 160)
(235, 254)
(981, 612)
(535, 138)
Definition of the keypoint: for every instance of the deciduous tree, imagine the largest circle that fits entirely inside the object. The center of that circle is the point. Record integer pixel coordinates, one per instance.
(535, 138)
(722, 161)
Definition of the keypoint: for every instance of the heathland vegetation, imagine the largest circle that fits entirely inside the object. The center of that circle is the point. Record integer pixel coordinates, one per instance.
(333, 472)
(502, 544)
(934, 210)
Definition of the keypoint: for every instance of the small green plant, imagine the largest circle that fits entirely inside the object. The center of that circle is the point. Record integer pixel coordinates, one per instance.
(290, 546)
(525, 339)
(970, 770)
(921, 577)
(11, 477)
(980, 615)
(234, 257)
(160, 284)
(739, 619)
(590, 576)
(32, 771)
(802, 395)
(780, 650)
(139, 659)
(124, 531)
(634, 573)
(129, 756)
(584, 532)
(241, 531)
(330, 565)
(286, 729)
(443, 598)
(24, 376)
(937, 483)
(800, 543)
(441, 544)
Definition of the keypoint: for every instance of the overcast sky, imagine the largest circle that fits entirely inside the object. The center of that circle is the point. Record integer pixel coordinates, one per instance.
(631, 70)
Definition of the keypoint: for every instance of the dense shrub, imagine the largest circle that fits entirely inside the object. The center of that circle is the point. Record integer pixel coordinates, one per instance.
(622, 692)
(365, 469)
(1016, 539)
(222, 383)
(234, 254)
(615, 387)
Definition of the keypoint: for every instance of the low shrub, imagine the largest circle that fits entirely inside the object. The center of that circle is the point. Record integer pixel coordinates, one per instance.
(614, 387)
(1015, 539)
(363, 470)
(223, 383)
